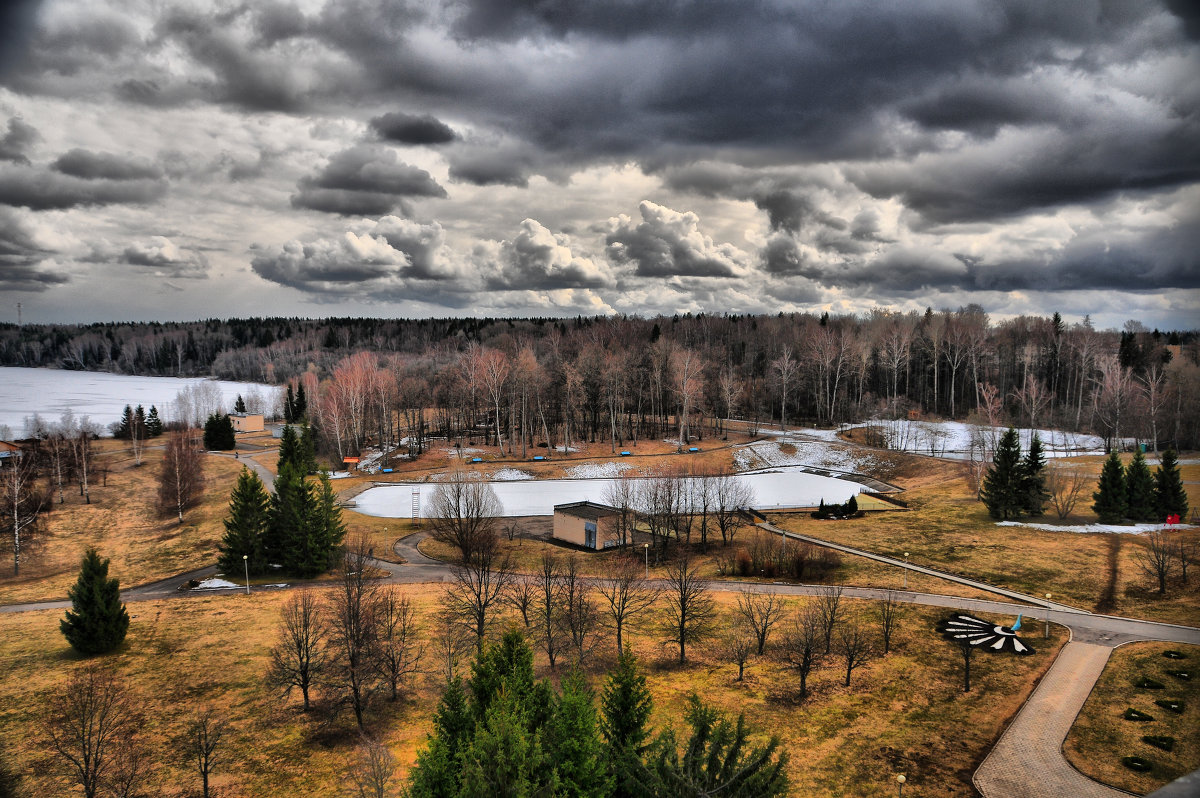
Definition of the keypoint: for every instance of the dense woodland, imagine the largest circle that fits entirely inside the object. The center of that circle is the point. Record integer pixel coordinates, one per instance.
(536, 384)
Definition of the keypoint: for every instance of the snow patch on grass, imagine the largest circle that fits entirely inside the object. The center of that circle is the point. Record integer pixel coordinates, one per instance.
(606, 470)
(796, 451)
(215, 583)
(1128, 529)
(511, 474)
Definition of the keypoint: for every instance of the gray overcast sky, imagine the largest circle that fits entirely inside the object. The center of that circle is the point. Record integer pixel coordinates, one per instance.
(181, 160)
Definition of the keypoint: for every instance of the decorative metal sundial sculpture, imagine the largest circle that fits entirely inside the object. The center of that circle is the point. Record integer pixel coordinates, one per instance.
(983, 634)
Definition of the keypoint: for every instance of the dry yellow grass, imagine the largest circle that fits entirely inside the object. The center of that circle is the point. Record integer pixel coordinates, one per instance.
(1101, 737)
(903, 713)
(121, 522)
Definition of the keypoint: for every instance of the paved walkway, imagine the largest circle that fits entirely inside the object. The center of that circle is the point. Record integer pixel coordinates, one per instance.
(1028, 761)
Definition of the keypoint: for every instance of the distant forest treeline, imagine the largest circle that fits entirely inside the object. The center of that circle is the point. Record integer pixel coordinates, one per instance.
(620, 377)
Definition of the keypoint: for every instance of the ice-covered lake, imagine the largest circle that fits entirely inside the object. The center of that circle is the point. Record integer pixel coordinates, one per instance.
(102, 397)
(774, 489)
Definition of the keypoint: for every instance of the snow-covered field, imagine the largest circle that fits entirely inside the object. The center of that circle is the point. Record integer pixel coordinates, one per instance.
(101, 397)
(801, 452)
(1127, 529)
(605, 470)
(776, 489)
(954, 439)
(511, 475)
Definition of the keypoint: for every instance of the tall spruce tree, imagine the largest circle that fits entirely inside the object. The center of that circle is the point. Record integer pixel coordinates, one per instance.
(154, 425)
(1033, 488)
(625, 707)
(437, 771)
(218, 433)
(289, 405)
(1169, 496)
(1140, 504)
(1003, 485)
(97, 620)
(324, 530)
(1110, 498)
(246, 525)
(239, 406)
(572, 742)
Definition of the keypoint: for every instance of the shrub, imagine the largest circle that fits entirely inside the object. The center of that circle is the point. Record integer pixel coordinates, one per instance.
(1146, 683)
(1133, 714)
(1137, 763)
(1159, 741)
(1170, 705)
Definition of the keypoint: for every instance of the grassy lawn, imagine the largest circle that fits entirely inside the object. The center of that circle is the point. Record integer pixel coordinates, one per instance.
(122, 523)
(903, 713)
(947, 529)
(1101, 736)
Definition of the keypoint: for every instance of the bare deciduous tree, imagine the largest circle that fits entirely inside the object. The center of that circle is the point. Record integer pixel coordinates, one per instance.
(478, 585)
(398, 649)
(627, 593)
(299, 658)
(802, 643)
(738, 644)
(731, 496)
(1156, 559)
(181, 479)
(463, 513)
(200, 745)
(621, 494)
(830, 610)
(21, 506)
(579, 613)
(689, 609)
(373, 769)
(855, 647)
(90, 720)
(761, 612)
(84, 433)
(350, 673)
(1065, 484)
(548, 606)
(522, 597)
(888, 613)
(1185, 552)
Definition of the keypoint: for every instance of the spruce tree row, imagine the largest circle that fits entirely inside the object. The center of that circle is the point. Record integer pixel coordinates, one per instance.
(136, 419)
(299, 528)
(1134, 493)
(1014, 486)
(506, 734)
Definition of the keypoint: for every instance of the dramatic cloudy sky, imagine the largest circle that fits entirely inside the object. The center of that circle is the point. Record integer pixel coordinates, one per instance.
(180, 159)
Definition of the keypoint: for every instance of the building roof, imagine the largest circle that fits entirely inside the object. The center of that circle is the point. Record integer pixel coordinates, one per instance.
(589, 510)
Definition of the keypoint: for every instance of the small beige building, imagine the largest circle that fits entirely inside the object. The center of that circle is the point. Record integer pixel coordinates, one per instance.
(587, 524)
(247, 422)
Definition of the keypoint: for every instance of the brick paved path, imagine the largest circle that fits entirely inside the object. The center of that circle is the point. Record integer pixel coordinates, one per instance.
(1028, 761)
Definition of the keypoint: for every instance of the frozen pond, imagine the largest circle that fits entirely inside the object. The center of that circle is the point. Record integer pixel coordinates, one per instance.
(102, 397)
(775, 489)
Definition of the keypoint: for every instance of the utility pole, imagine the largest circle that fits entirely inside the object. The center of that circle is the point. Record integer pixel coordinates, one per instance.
(18, 314)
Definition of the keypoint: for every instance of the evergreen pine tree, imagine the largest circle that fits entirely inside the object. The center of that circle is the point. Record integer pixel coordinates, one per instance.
(572, 742)
(288, 448)
(1033, 488)
(1110, 497)
(436, 773)
(301, 408)
(154, 425)
(509, 661)
(246, 526)
(125, 425)
(505, 758)
(324, 531)
(306, 450)
(289, 405)
(218, 433)
(625, 707)
(852, 507)
(1169, 496)
(288, 517)
(97, 620)
(1139, 490)
(239, 406)
(1002, 485)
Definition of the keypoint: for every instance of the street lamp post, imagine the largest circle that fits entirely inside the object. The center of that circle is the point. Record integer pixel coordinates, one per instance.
(1047, 633)
(246, 562)
(905, 582)
(646, 548)
(900, 785)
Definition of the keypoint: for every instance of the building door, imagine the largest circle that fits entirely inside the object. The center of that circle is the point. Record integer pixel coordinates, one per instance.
(589, 535)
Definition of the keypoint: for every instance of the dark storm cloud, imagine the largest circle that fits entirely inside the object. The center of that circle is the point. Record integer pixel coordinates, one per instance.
(40, 189)
(781, 256)
(22, 259)
(15, 143)
(409, 129)
(104, 166)
(364, 180)
(668, 243)
(17, 22)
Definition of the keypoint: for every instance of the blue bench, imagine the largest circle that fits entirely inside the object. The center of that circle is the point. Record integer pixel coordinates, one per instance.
(624, 454)
(539, 457)
(476, 459)
(693, 449)
(387, 470)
